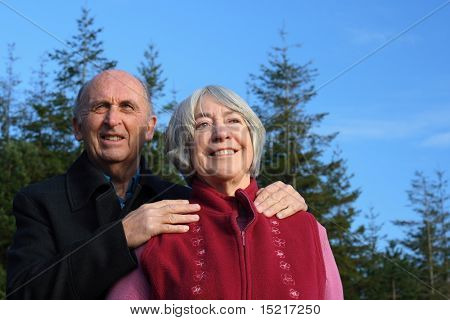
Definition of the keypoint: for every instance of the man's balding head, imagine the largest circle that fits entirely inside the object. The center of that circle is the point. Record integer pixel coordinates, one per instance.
(108, 76)
(113, 118)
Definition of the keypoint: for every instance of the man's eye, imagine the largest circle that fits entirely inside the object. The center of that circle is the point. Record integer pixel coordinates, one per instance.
(99, 108)
(127, 106)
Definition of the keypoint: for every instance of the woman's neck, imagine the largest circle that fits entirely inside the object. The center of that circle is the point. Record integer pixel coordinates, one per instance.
(229, 186)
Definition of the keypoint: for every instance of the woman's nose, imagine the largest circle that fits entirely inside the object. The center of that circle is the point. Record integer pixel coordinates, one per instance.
(220, 132)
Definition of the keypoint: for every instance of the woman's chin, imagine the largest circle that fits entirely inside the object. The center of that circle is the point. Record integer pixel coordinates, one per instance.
(227, 178)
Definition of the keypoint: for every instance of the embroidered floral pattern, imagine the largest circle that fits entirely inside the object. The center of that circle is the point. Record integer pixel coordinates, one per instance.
(294, 294)
(199, 274)
(196, 242)
(280, 254)
(196, 290)
(281, 243)
(284, 265)
(286, 278)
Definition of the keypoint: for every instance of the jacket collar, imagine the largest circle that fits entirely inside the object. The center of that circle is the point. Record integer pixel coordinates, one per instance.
(216, 201)
(83, 179)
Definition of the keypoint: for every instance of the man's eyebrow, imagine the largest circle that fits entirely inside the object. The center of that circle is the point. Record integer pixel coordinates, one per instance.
(105, 101)
(128, 101)
(99, 101)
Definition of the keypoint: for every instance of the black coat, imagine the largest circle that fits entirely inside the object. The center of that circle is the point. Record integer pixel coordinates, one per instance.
(70, 242)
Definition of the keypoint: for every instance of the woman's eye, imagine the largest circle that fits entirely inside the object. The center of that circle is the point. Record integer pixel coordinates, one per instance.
(235, 120)
(201, 125)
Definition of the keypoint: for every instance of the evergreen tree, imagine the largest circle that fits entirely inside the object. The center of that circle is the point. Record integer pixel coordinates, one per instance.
(7, 100)
(80, 60)
(295, 154)
(46, 146)
(20, 164)
(82, 57)
(394, 278)
(151, 73)
(427, 237)
(371, 259)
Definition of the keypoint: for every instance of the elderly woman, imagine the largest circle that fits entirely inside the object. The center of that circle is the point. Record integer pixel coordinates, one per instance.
(216, 141)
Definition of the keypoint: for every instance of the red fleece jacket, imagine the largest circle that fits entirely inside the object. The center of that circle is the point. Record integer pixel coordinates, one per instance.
(268, 259)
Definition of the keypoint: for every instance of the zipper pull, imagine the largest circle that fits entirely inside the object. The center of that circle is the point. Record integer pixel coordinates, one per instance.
(243, 237)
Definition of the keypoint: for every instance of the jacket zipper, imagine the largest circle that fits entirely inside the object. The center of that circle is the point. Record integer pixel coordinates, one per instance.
(247, 276)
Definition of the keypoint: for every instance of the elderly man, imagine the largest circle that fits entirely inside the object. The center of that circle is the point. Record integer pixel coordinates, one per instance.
(71, 227)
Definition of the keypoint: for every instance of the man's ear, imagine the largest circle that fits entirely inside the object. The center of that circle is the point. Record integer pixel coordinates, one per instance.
(77, 129)
(151, 124)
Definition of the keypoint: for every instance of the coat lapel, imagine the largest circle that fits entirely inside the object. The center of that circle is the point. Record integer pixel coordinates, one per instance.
(107, 207)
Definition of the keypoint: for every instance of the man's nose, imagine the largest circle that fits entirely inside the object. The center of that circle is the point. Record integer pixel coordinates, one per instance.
(112, 117)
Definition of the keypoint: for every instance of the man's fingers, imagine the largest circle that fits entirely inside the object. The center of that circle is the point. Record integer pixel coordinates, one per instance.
(269, 200)
(269, 192)
(164, 203)
(173, 228)
(289, 211)
(180, 218)
(179, 208)
(303, 206)
(274, 207)
(280, 199)
(258, 193)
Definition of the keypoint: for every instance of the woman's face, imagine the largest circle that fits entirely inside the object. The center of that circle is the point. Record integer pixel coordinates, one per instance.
(223, 150)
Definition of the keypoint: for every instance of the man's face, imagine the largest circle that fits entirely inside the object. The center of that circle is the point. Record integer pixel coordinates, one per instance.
(114, 122)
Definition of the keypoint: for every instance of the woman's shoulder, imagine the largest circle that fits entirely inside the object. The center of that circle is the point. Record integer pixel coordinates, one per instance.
(301, 216)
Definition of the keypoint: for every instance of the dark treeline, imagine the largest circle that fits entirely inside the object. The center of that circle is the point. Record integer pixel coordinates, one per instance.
(36, 142)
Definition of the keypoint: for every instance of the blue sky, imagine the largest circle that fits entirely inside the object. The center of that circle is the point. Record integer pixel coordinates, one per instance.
(392, 110)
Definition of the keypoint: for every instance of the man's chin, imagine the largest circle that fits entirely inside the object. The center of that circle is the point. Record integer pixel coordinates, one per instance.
(113, 158)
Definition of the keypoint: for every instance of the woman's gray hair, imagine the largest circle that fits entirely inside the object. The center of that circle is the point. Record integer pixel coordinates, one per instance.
(179, 135)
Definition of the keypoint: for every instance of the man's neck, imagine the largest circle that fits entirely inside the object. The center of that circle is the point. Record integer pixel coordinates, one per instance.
(120, 174)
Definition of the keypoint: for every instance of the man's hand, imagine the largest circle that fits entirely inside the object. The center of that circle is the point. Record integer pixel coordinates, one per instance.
(280, 199)
(151, 219)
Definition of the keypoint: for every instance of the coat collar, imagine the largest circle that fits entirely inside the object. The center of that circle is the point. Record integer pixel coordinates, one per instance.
(83, 179)
(210, 198)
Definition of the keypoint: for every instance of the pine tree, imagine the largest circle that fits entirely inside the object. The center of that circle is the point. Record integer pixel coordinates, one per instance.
(7, 100)
(151, 73)
(44, 145)
(80, 60)
(295, 154)
(371, 258)
(19, 165)
(82, 57)
(427, 237)
(394, 278)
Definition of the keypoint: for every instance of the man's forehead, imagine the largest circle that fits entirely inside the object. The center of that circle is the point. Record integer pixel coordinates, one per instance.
(115, 85)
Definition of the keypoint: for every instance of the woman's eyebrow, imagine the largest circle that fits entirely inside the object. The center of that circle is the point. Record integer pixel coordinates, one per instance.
(209, 115)
(203, 115)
